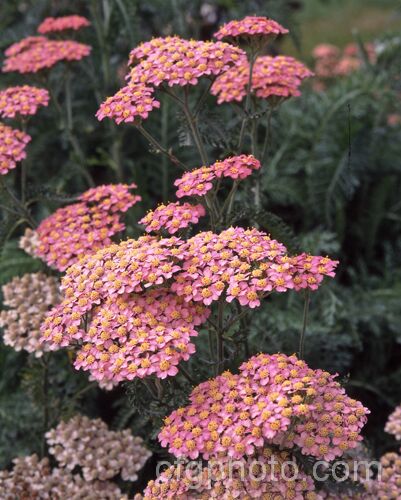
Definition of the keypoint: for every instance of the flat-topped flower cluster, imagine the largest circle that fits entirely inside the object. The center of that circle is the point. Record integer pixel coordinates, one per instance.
(142, 294)
(22, 100)
(274, 399)
(84, 227)
(272, 77)
(12, 147)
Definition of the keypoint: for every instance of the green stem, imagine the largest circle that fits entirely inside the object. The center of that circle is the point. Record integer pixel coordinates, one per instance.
(45, 395)
(194, 129)
(164, 140)
(187, 375)
(18, 204)
(220, 338)
(159, 148)
(252, 59)
(304, 324)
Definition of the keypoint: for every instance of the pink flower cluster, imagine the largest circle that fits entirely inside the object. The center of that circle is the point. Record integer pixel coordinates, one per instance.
(129, 103)
(279, 76)
(239, 263)
(250, 26)
(23, 100)
(100, 452)
(245, 265)
(12, 147)
(331, 62)
(172, 217)
(37, 53)
(250, 477)
(138, 336)
(54, 24)
(393, 425)
(199, 181)
(132, 335)
(84, 227)
(176, 61)
(274, 399)
(170, 61)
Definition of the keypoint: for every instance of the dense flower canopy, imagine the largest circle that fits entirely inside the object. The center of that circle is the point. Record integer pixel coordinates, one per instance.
(37, 53)
(118, 282)
(274, 399)
(279, 76)
(22, 100)
(172, 217)
(28, 299)
(250, 26)
(73, 231)
(12, 147)
(55, 24)
(166, 61)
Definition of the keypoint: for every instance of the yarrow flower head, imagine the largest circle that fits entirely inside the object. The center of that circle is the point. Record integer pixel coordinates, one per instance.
(393, 425)
(55, 24)
(72, 231)
(224, 479)
(28, 299)
(100, 452)
(245, 265)
(135, 101)
(172, 217)
(250, 30)
(12, 147)
(136, 336)
(23, 100)
(199, 181)
(165, 61)
(34, 54)
(272, 78)
(115, 283)
(275, 399)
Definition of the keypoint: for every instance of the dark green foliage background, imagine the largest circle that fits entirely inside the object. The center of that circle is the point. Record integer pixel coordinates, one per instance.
(332, 185)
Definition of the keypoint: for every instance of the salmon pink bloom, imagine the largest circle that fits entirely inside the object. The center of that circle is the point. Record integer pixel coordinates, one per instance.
(35, 54)
(12, 147)
(172, 217)
(236, 414)
(279, 76)
(132, 102)
(56, 24)
(23, 100)
(250, 27)
(84, 227)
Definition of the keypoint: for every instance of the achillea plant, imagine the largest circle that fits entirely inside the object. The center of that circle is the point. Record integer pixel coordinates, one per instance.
(131, 308)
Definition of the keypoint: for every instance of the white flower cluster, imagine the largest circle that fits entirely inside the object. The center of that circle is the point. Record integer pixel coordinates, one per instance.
(100, 452)
(29, 242)
(28, 298)
(393, 425)
(32, 478)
